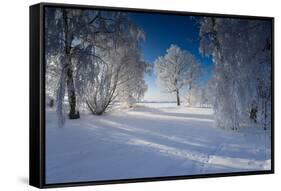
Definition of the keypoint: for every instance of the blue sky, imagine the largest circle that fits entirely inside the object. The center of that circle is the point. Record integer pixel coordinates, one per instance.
(161, 31)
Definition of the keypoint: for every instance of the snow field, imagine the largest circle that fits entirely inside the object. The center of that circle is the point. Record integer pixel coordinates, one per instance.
(150, 140)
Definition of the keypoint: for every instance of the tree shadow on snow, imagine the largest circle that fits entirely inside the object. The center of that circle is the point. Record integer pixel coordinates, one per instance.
(172, 114)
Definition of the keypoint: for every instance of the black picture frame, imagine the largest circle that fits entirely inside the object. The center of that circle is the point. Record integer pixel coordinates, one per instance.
(37, 98)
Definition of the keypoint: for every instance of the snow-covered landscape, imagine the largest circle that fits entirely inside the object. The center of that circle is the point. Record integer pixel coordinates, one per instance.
(150, 140)
(133, 95)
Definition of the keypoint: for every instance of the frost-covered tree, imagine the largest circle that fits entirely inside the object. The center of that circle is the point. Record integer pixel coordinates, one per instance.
(78, 43)
(120, 72)
(198, 96)
(176, 69)
(210, 92)
(62, 27)
(204, 99)
(132, 85)
(194, 96)
(241, 52)
(52, 77)
(54, 44)
(192, 77)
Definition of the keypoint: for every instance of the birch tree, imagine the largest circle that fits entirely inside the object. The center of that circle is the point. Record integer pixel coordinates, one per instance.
(176, 69)
(120, 72)
(241, 51)
(76, 41)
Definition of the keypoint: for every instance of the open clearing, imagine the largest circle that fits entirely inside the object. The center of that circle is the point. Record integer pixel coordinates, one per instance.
(150, 140)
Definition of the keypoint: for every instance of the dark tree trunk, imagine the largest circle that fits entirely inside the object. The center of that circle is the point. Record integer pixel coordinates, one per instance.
(93, 107)
(178, 98)
(73, 114)
(265, 115)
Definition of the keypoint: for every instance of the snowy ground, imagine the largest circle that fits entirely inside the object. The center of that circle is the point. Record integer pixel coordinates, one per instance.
(151, 140)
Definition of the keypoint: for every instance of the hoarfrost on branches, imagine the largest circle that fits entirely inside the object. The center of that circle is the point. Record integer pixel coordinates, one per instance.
(91, 58)
(241, 52)
(176, 69)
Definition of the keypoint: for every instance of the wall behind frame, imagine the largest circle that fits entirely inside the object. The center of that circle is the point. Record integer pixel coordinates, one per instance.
(14, 80)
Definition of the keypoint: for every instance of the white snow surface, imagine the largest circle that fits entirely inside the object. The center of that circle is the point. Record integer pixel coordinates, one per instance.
(150, 140)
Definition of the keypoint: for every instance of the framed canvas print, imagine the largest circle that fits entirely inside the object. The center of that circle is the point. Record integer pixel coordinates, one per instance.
(122, 95)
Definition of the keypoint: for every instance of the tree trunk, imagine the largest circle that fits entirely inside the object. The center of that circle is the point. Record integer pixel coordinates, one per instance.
(73, 114)
(178, 98)
(189, 94)
(265, 114)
